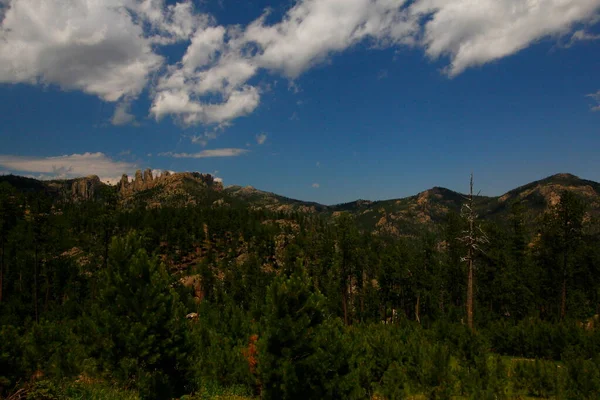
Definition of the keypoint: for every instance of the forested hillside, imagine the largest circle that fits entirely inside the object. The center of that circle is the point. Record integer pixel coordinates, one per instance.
(181, 288)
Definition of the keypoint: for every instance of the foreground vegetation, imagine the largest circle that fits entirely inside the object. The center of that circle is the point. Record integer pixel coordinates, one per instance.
(94, 304)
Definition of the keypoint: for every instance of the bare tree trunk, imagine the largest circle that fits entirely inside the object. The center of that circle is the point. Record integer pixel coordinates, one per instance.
(2, 271)
(563, 302)
(362, 296)
(35, 283)
(47, 296)
(470, 260)
(417, 309)
(473, 237)
(345, 304)
(470, 293)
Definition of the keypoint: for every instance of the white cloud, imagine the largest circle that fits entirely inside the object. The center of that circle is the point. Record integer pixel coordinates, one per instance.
(85, 45)
(184, 105)
(596, 98)
(318, 164)
(203, 47)
(204, 138)
(212, 83)
(314, 29)
(316, 185)
(228, 152)
(473, 33)
(104, 48)
(169, 24)
(69, 166)
(581, 36)
(122, 115)
(261, 138)
(110, 48)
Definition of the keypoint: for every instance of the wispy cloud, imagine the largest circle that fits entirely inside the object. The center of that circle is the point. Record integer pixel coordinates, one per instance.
(581, 36)
(123, 115)
(68, 166)
(203, 138)
(596, 98)
(261, 138)
(316, 185)
(228, 152)
(294, 87)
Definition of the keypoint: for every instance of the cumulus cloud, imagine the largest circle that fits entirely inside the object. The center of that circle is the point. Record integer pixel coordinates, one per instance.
(85, 45)
(104, 48)
(220, 63)
(261, 138)
(316, 185)
(111, 48)
(68, 166)
(227, 152)
(473, 33)
(313, 29)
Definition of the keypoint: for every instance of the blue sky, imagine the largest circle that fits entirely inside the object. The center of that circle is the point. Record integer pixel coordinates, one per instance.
(321, 100)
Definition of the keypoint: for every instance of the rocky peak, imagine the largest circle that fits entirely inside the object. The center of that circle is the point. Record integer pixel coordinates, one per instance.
(563, 176)
(148, 175)
(146, 180)
(85, 188)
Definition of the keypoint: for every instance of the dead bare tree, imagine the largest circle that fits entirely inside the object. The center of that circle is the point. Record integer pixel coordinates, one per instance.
(473, 238)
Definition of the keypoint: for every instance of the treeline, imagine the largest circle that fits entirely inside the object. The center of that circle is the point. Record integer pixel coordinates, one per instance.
(94, 304)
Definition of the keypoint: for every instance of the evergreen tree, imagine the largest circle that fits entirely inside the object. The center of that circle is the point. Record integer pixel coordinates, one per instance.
(561, 242)
(301, 352)
(141, 329)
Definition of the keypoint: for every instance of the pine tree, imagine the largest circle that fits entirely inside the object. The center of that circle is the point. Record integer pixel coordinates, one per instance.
(140, 321)
(301, 352)
(562, 239)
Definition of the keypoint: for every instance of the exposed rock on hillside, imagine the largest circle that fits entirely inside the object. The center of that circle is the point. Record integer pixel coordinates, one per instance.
(394, 217)
(78, 189)
(182, 187)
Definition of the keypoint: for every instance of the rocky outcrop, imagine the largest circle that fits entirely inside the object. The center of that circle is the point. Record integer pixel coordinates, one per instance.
(172, 185)
(85, 188)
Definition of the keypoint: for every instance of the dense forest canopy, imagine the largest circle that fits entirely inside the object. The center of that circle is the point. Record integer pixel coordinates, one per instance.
(199, 291)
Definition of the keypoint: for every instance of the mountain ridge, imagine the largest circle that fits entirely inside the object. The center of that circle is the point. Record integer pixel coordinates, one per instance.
(387, 216)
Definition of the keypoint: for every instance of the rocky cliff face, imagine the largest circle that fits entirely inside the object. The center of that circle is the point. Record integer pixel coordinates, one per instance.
(85, 188)
(146, 180)
(78, 189)
(183, 186)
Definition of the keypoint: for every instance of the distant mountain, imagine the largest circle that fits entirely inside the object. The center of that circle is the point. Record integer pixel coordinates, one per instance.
(271, 201)
(400, 215)
(539, 195)
(395, 216)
